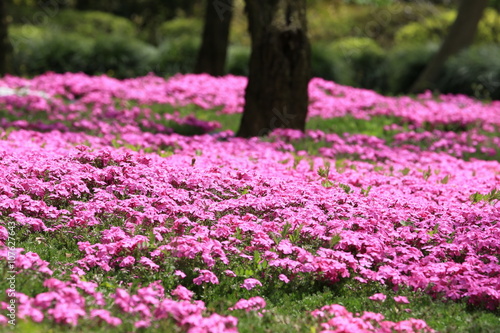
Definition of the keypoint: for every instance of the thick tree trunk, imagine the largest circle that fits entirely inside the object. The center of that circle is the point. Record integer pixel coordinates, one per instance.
(459, 37)
(280, 67)
(5, 46)
(213, 51)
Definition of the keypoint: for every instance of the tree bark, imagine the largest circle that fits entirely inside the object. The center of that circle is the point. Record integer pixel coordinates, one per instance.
(5, 47)
(213, 51)
(280, 67)
(460, 36)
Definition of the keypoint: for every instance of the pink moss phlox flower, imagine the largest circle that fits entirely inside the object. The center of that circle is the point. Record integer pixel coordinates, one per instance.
(250, 283)
(180, 274)
(401, 300)
(149, 263)
(206, 276)
(378, 297)
(284, 278)
(106, 316)
(142, 324)
(127, 261)
(253, 303)
(230, 273)
(182, 293)
(337, 318)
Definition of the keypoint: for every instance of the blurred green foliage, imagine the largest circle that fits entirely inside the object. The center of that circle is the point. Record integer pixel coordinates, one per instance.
(381, 46)
(475, 71)
(402, 65)
(182, 27)
(238, 57)
(435, 28)
(357, 58)
(92, 23)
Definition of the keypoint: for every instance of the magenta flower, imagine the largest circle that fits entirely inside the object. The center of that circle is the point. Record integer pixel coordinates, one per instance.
(128, 261)
(206, 276)
(229, 273)
(106, 316)
(149, 263)
(283, 278)
(378, 297)
(180, 274)
(253, 303)
(401, 300)
(182, 293)
(251, 283)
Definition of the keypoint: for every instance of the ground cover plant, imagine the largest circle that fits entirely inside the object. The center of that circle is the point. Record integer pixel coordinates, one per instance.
(130, 206)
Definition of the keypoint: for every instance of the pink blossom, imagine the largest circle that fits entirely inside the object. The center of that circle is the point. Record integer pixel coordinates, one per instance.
(106, 316)
(129, 261)
(180, 274)
(378, 297)
(401, 299)
(149, 263)
(250, 283)
(229, 273)
(206, 276)
(182, 293)
(253, 303)
(283, 278)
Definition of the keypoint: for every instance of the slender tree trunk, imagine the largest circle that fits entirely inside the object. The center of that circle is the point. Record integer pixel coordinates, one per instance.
(280, 67)
(5, 47)
(213, 51)
(460, 36)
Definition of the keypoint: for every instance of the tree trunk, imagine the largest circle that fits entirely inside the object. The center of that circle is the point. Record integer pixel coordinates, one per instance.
(459, 37)
(280, 67)
(5, 47)
(213, 51)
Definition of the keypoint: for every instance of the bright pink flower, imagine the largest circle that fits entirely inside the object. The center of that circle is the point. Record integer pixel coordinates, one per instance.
(206, 276)
(378, 297)
(128, 261)
(106, 316)
(142, 324)
(283, 278)
(148, 263)
(182, 293)
(180, 274)
(251, 283)
(401, 300)
(230, 273)
(253, 303)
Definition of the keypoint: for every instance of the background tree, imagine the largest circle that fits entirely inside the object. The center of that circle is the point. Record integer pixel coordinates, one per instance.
(5, 47)
(460, 36)
(279, 72)
(213, 51)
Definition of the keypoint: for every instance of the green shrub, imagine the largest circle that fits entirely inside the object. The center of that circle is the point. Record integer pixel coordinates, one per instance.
(92, 23)
(183, 28)
(37, 51)
(335, 21)
(177, 55)
(358, 58)
(435, 28)
(488, 30)
(238, 58)
(121, 57)
(324, 64)
(475, 71)
(57, 52)
(403, 65)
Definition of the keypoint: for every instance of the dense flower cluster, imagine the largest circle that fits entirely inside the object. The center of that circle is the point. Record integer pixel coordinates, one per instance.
(344, 321)
(200, 207)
